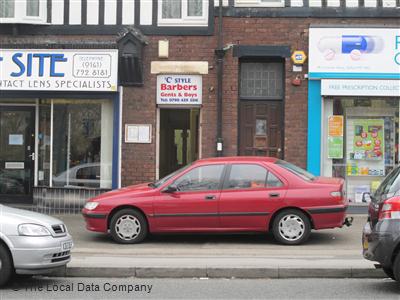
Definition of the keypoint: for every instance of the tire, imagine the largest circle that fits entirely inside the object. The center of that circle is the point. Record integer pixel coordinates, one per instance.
(128, 226)
(389, 272)
(291, 227)
(396, 268)
(6, 265)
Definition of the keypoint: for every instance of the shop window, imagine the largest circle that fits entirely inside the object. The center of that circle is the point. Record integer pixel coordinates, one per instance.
(23, 11)
(362, 142)
(261, 80)
(259, 3)
(201, 179)
(183, 12)
(79, 144)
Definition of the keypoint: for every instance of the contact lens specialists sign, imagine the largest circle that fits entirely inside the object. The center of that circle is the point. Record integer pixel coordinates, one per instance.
(59, 70)
(369, 53)
(179, 89)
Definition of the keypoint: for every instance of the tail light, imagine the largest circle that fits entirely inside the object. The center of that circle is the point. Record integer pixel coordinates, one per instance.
(336, 194)
(390, 209)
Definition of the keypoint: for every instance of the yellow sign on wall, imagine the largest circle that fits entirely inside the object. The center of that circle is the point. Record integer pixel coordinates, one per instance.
(299, 57)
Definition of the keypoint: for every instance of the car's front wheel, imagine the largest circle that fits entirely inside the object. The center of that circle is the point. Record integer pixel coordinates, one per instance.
(6, 266)
(128, 226)
(291, 227)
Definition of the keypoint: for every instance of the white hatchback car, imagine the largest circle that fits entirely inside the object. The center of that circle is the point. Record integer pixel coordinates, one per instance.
(31, 243)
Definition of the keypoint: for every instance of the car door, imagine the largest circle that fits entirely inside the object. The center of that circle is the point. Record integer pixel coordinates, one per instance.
(194, 206)
(250, 193)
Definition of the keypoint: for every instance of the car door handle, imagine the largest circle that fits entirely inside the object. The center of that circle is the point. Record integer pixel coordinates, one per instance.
(210, 197)
(274, 195)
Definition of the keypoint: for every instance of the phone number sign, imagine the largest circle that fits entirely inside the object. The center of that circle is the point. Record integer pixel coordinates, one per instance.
(59, 70)
(179, 89)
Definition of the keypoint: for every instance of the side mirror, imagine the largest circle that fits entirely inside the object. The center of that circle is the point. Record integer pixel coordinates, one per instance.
(171, 189)
(366, 197)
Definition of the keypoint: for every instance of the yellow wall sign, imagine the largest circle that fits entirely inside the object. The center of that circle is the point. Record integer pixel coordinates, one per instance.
(298, 57)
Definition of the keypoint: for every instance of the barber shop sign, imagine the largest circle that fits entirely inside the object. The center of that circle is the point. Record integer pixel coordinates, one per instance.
(179, 89)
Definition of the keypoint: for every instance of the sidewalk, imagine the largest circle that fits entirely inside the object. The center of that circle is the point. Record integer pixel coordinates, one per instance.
(328, 253)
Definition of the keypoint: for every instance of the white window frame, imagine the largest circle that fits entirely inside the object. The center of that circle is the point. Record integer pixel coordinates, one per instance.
(185, 20)
(20, 16)
(259, 3)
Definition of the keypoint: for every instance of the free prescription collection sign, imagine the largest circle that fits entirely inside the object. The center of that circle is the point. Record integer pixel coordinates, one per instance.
(59, 70)
(179, 89)
(364, 53)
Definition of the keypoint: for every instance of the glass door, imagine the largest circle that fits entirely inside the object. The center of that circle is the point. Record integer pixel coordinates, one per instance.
(17, 147)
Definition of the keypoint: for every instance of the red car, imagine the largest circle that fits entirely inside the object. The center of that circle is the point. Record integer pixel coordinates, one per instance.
(230, 194)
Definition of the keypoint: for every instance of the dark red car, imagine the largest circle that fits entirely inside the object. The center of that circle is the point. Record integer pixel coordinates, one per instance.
(230, 194)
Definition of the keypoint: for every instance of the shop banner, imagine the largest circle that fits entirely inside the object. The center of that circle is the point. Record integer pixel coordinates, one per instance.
(354, 53)
(59, 70)
(335, 137)
(354, 87)
(368, 141)
(179, 89)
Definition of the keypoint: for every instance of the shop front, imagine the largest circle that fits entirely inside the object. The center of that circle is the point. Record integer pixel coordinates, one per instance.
(59, 125)
(353, 106)
(179, 100)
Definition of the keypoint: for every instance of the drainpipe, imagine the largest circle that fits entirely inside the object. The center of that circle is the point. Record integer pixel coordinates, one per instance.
(219, 52)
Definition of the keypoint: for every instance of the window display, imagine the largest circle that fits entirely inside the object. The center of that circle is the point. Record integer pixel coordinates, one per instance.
(369, 142)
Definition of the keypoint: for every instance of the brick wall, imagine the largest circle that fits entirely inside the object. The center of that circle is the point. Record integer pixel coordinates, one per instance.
(139, 160)
(292, 32)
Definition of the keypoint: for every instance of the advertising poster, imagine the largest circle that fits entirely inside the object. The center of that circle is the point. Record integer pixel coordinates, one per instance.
(368, 139)
(372, 53)
(335, 147)
(335, 137)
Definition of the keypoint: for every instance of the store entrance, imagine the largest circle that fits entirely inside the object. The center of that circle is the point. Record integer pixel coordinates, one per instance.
(179, 138)
(261, 128)
(17, 153)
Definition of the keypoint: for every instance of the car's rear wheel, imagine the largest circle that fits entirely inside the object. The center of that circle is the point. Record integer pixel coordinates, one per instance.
(6, 266)
(389, 272)
(291, 227)
(128, 226)
(396, 268)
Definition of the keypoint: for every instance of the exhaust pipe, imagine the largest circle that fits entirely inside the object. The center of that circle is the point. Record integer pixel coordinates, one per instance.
(348, 221)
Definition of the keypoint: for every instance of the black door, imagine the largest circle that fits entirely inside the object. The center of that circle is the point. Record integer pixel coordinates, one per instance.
(17, 145)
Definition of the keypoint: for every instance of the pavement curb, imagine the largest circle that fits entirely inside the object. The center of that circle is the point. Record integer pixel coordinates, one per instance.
(245, 273)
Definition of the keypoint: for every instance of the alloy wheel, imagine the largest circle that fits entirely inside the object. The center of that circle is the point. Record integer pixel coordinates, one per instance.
(291, 227)
(127, 227)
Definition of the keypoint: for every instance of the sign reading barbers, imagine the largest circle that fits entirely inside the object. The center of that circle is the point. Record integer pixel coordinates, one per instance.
(179, 89)
(59, 70)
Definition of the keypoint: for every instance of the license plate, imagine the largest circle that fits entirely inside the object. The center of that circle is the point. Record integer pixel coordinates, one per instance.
(66, 246)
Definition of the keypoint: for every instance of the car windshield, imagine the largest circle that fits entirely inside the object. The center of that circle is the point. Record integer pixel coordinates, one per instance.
(296, 170)
(163, 180)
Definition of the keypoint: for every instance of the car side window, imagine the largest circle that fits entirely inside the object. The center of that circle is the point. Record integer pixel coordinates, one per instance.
(273, 181)
(247, 176)
(201, 179)
(88, 173)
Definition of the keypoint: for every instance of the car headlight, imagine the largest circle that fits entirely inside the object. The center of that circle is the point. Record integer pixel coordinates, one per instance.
(33, 230)
(91, 205)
